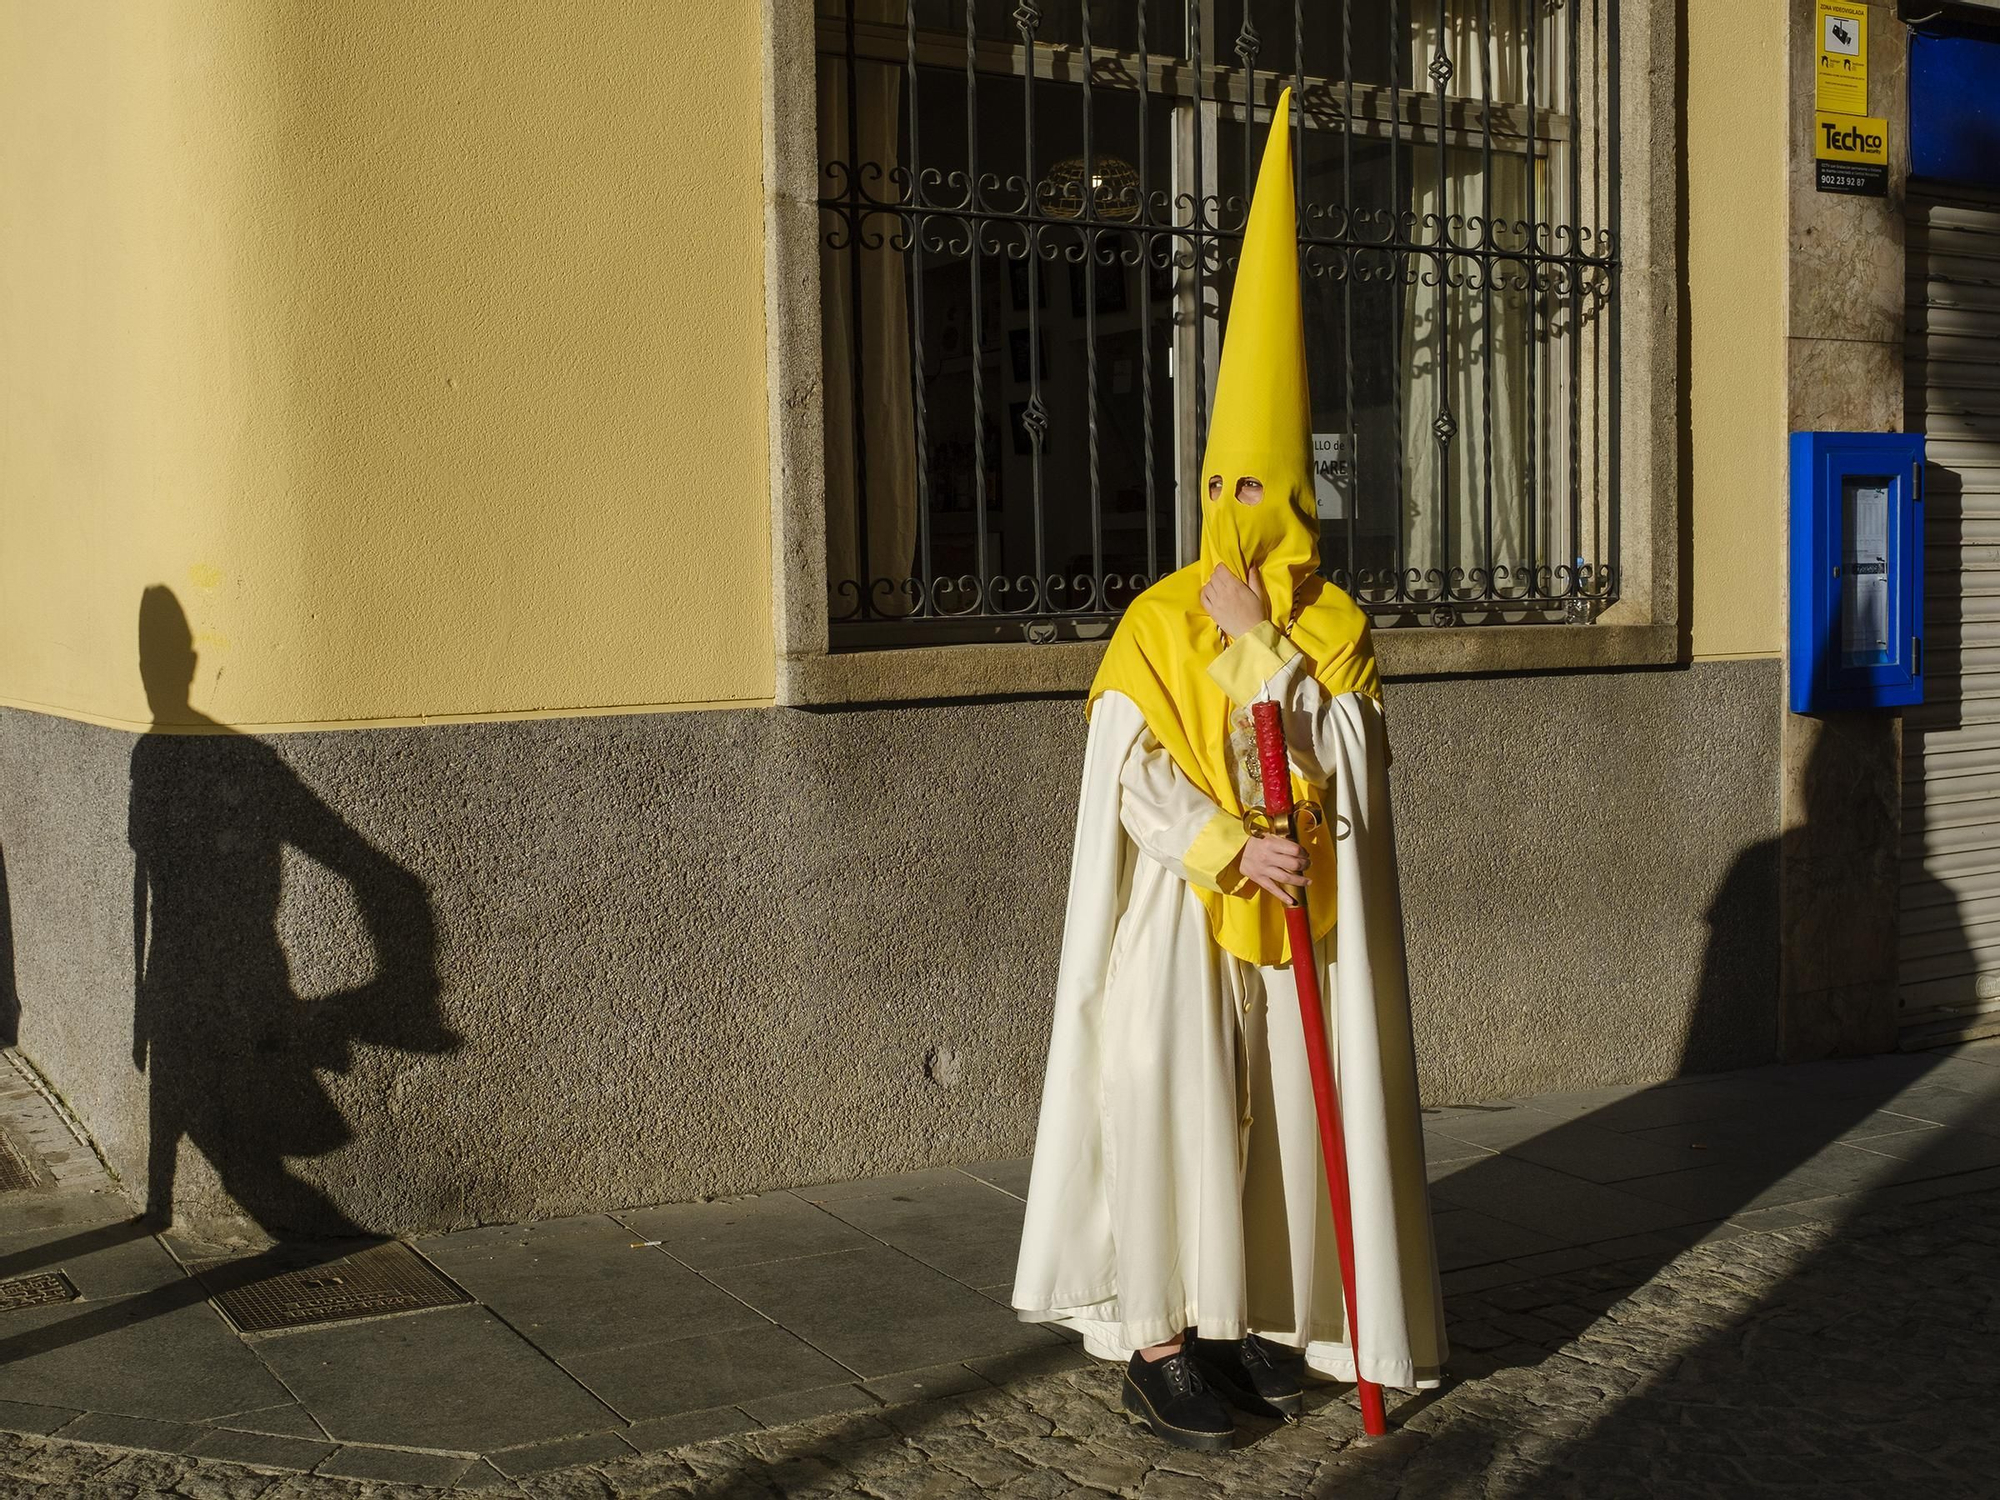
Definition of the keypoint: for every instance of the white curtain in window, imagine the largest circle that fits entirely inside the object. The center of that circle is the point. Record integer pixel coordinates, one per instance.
(1465, 351)
(880, 324)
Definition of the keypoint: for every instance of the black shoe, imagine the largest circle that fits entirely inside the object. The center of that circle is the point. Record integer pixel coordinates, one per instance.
(1253, 1374)
(1170, 1397)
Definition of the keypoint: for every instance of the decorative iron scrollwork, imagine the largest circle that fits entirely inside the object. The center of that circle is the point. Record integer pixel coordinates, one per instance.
(1035, 419)
(1248, 42)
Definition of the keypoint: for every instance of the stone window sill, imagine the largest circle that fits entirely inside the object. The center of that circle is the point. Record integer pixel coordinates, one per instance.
(923, 673)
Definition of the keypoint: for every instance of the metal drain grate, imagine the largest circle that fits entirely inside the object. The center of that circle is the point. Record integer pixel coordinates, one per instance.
(36, 1291)
(371, 1283)
(14, 1169)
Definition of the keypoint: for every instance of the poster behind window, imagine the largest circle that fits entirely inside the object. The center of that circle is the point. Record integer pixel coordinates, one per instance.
(1864, 571)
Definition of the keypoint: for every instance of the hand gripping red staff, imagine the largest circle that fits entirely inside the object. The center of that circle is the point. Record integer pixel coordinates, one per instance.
(1280, 817)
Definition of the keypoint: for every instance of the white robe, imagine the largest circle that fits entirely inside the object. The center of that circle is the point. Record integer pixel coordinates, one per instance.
(1177, 1178)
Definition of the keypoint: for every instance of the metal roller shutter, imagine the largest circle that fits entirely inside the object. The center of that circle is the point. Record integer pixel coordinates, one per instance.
(1950, 947)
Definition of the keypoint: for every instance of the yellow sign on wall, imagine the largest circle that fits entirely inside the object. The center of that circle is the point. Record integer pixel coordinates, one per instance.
(1851, 154)
(1842, 86)
(1851, 138)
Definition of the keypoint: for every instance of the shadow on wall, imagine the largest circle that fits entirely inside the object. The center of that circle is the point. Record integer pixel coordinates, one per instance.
(10, 997)
(232, 1053)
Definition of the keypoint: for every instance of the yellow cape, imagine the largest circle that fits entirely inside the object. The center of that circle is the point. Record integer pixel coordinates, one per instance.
(1261, 428)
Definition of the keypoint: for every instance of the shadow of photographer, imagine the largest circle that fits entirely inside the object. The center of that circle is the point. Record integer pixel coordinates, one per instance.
(232, 1052)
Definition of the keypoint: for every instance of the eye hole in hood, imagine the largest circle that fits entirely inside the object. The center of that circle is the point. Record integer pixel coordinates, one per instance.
(1249, 489)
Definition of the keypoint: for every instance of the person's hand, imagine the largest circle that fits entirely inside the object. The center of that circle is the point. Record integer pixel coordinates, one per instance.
(1237, 607)
(1277, 865)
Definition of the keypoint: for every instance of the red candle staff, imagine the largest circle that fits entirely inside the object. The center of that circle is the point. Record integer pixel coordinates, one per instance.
(1279, 816)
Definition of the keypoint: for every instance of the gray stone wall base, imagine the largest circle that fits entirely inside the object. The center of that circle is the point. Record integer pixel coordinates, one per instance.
(1590, 870)
(406, 979)
(1841, 887)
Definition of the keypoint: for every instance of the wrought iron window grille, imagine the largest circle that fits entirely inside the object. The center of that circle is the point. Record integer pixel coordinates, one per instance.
(1029, 220)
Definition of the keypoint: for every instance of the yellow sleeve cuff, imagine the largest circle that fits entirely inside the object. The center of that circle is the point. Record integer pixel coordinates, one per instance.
(1251, 661)
(1211, 859)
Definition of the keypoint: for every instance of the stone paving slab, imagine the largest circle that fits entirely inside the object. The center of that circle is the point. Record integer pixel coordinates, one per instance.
(1467, 1237)
(171, 1360)
(261, 1449)
(958, 1225)
(456, 1379)
(115, 1261)
(743, 1231)
(289, 1420)
(704, 1371)
(578, 1286)
(878, 1311)
(871, 1352)
(411, 1471)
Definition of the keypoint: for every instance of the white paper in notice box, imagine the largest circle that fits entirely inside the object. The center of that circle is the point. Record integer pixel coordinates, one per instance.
(1333, 474)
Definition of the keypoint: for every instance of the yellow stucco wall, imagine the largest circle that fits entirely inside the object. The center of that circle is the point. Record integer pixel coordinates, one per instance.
(377, 332)
(1736, 257)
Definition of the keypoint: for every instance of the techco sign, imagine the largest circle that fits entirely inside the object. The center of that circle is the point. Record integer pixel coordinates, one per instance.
(1851, 154)
(1860, 140)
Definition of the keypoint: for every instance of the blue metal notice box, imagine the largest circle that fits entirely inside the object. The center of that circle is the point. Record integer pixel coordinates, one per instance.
(1857, 570)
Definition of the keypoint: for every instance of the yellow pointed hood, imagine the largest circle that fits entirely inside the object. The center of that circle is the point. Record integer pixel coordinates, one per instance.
(1164, 646)
(1261, 425)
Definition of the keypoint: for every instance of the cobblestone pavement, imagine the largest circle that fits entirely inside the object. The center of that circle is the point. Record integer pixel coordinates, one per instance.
(1828, 1358)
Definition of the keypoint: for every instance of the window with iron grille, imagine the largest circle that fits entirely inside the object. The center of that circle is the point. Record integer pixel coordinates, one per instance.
(1029, 219)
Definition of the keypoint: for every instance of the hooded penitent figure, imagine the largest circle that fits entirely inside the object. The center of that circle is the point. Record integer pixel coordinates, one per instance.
(1177, 1181)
